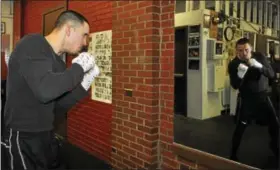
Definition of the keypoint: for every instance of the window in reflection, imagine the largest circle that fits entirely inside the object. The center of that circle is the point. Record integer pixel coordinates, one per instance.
(223, 5)
(274, 16)
(253, 6)
(264, 19)
(269, 14)
(245, 10)
(180, 6)
(231, 8)
(196, 5)
(238, 9)
(210, 4)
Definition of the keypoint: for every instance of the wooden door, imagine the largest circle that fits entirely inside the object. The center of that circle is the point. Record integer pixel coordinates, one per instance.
(49, 19)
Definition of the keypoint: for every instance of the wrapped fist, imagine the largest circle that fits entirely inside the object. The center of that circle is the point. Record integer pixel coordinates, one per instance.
(242, 69)
(254, 63)
(89, 77)
(85, 60)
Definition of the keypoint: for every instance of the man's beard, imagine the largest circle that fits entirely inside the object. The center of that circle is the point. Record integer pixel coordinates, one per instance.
(84, 49)
(75, 54)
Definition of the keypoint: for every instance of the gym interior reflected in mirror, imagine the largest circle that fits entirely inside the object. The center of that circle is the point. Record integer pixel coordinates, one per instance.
(205, 103)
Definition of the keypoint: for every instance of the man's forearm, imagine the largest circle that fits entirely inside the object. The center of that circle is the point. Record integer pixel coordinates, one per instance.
(67, 101)
(46, 84)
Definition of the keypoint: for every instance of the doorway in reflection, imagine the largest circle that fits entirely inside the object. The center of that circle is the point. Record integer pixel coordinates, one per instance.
(180, 72)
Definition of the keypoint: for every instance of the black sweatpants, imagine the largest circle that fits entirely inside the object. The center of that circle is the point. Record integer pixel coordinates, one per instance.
(275, 97)
(261, 109)
(28, 150)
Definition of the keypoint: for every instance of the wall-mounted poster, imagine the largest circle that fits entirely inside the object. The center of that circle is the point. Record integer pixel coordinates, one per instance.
(100, 45)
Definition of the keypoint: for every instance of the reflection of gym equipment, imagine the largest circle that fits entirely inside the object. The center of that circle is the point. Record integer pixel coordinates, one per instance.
(199, 73)
(216, 71)
(193, 41)
(193, 52)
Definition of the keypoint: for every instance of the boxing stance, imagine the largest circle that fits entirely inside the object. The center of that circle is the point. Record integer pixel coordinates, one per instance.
(38, 83)
(250, 72)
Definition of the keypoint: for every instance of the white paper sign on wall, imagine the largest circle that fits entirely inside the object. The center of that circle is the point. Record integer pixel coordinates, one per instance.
(100, 46)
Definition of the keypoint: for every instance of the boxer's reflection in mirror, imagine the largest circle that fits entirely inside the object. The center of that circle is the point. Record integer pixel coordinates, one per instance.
(275, 82)
(250, 73)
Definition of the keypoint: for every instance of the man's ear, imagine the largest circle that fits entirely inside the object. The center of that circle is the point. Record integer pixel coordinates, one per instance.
(68, 30)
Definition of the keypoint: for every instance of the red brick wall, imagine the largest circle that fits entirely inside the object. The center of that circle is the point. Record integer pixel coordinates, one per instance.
(89, 123)
(143, 62)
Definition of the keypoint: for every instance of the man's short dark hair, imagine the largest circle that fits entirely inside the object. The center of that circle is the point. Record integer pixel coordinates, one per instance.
(242, 41)
(69, 15)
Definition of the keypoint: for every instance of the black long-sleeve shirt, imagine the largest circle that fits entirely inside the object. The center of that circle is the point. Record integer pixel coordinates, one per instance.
(255, 80)
(276, 67)
(39, 83)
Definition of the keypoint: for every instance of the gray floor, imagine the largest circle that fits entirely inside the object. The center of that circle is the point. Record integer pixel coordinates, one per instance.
(75, 158)
(214, 136)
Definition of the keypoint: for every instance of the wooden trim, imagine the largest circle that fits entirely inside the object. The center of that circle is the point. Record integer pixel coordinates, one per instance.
(208, 160)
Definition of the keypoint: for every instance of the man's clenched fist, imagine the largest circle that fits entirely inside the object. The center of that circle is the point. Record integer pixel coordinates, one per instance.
(254, 63)
(85, 60)
(241, 70)
(89, 77)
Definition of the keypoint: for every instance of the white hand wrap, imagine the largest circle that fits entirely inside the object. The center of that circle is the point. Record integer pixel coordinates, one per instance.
(242, 69)
(85, 60)
(254, 63)
(89, 77)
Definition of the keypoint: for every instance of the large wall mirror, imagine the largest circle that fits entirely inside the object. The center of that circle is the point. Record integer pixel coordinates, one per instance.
(211, 130)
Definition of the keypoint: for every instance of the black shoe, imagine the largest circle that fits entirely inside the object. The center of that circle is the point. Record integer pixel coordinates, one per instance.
(234, 158)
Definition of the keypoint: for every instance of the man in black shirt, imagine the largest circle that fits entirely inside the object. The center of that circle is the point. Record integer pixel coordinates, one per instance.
(38, 83)
(250, 73)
